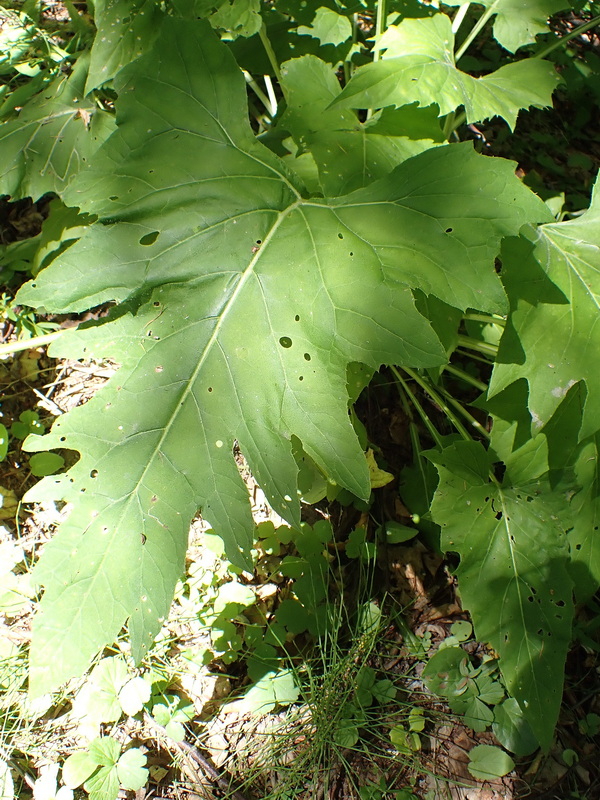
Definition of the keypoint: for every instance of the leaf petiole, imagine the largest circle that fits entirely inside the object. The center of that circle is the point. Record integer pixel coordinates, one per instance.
(474, 32)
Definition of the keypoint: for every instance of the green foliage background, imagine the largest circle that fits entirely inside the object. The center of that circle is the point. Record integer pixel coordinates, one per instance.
(247, 274)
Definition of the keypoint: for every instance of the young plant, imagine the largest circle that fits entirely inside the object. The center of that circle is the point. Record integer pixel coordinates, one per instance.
(246, 276)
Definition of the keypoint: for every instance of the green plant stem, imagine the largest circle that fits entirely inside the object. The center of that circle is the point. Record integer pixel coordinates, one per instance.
(480, 347)
(479, 25)
(464, 376)
(485, 318)
(585, 26)
(439, 401)
(29, 344)
(270, 52)
(258, 92)
(271, 95)
(459, 17)
(380, 25)
(433, 432)
(466, 414)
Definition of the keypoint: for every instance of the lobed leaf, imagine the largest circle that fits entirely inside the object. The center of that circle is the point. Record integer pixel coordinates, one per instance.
(348, 153)
(240, 305)
(418, 66)
(513, 575)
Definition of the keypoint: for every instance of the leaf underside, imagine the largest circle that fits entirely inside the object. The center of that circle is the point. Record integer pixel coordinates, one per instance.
(240, 304)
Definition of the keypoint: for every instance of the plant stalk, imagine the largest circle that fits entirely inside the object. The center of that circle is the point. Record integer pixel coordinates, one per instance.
(439, 401)
(485, 318)
(433, 432)
(380, 25)
(476, 29)
(270, 52)
(29, 344)
(459, 17)
(479, 347)
(258, 92)
(464, 376)
(585, 26)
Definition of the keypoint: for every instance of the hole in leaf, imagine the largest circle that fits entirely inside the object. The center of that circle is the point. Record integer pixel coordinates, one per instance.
(113, 197)
(307, 356)
(285, 341)
(94, 473)
(210, 388)
(149, 238)
(340, 235)
(499, 515)
(297, 317)
(449, 230)
(301, 378)
(156, 304)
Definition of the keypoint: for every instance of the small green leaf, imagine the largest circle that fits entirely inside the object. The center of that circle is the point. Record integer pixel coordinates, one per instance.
(488, 762)
(512, 729)
(346, 733)
(462, 630)
(131, 770)
(328, 27)
(103, 785)
(570, 757)
(77, 769)
(358, 547)
(98, 699)
(490, 691)
(416, 720)
(42, 464)
(396, 533)
(133, 695)
(175, 730)
(476, 715)
(405, 741)
(105, 750)
(384, 691)
(271, 690)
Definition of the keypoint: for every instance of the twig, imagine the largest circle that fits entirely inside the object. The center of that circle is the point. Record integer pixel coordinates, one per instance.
(196, 756)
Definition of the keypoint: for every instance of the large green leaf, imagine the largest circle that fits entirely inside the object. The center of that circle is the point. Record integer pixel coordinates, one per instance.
(349, 153)
(554, 338)
(513, 574)
(241, 305)
(418, 66)
(53, 138)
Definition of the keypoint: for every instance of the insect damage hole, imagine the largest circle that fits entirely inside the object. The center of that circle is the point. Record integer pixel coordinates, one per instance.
(285, 341)
(149, 238)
